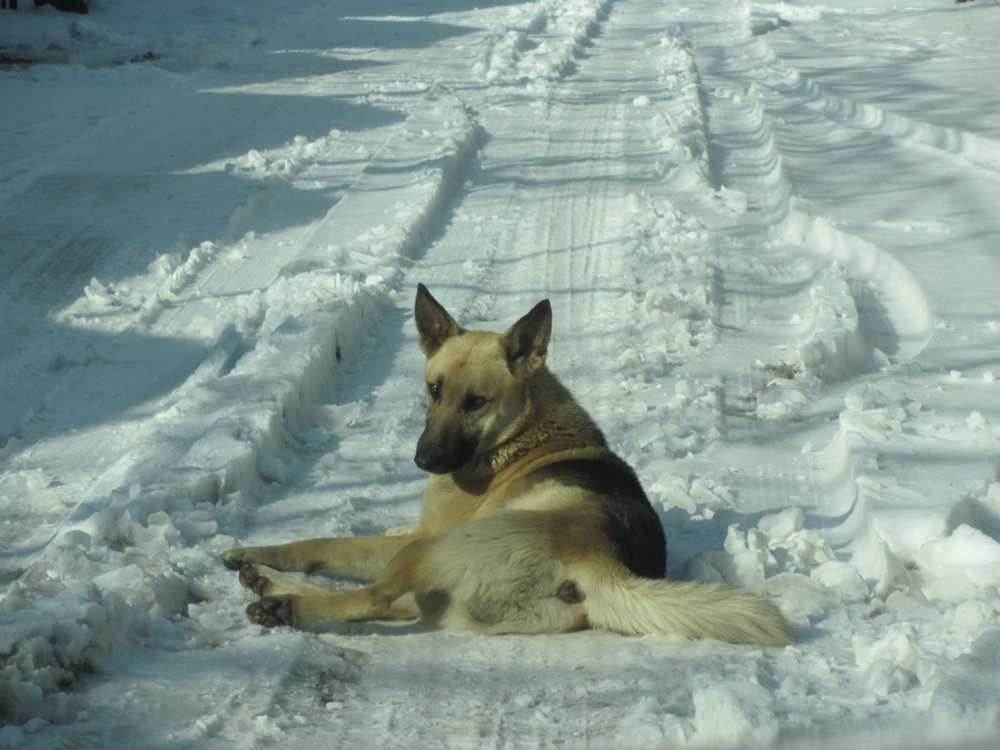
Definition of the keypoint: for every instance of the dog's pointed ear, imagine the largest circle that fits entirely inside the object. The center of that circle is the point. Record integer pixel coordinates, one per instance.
(527, 341)
(434, 324)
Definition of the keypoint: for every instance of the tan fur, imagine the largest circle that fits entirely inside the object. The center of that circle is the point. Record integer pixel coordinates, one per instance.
(518, 528)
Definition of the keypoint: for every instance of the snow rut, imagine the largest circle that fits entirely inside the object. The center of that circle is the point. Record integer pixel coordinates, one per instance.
(765, 67)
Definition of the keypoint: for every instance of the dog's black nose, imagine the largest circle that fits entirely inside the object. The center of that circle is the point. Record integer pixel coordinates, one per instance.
(428, 456)
(422, 461)
(434, 463)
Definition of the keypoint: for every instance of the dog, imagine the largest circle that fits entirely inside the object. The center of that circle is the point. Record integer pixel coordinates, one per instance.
(529, 524)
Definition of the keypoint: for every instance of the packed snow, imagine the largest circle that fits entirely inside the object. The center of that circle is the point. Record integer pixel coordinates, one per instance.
(769, 232)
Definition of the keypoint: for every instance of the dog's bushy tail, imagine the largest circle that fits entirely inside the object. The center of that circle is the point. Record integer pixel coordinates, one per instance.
(685, 610)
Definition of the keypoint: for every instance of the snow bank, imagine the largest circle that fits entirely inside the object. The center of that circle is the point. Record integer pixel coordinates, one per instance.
(51, 634)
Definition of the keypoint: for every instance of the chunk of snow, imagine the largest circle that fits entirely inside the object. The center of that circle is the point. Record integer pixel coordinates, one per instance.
(36, 479)
(733, 714)
(977, 422)
(779, 526)
(843, 576)
(272, 469)
(960, 563)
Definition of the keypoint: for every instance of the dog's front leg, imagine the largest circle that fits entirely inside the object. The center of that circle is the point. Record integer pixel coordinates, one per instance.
(360, 557)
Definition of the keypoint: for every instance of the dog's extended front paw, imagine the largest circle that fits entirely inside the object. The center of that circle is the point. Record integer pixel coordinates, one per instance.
(251, 578)
(233, 558)
(272, 611)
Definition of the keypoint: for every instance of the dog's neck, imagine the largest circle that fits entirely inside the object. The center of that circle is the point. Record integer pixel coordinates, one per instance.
(552, 419)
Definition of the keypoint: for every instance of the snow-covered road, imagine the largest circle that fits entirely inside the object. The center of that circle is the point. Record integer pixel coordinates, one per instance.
(770, 238)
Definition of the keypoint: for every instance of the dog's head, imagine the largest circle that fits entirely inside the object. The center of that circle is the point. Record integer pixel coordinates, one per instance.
(477, 382)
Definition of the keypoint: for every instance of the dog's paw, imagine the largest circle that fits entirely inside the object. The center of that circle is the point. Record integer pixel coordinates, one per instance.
(253, 579)
(233, 558)
(272, 611)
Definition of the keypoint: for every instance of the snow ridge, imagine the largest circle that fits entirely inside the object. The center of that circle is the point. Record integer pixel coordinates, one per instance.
(542, 40)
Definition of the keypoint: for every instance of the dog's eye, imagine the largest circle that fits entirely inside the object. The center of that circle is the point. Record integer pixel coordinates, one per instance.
(434, 389)
(474, 402)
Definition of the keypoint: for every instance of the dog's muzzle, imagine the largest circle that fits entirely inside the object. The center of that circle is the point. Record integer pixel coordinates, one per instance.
(439, 456)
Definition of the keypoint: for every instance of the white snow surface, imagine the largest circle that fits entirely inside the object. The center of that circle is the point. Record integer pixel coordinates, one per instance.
(771, 238)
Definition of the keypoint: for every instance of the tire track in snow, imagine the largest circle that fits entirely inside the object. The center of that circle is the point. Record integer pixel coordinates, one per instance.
(744, 156)
(763, 283)
(766, 68)
(847, 298)
(565, 172)
(107, 205)
(190, 470)
(864, 493)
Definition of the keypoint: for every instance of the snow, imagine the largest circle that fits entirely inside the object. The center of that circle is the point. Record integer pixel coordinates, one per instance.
(769, 235)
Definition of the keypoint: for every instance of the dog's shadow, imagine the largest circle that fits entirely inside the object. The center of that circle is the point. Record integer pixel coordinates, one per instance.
(695, 541)
(696, 549)
(378, 627)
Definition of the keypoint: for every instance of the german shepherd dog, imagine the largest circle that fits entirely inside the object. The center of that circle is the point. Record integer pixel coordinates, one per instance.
(530, 524)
